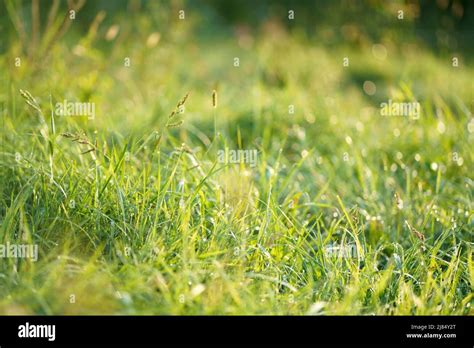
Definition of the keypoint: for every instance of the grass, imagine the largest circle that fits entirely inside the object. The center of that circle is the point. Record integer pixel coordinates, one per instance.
(133, 214)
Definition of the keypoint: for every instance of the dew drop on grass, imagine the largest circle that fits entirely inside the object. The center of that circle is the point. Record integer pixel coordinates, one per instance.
(369, 87)
(316, 308)
(441, 127)
(197, 290)
(270, 172)
(126, 299)
(397, 260)
(470, 126)
(379, 51)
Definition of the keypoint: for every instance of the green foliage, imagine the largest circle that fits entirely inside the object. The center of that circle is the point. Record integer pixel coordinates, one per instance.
(133, 213)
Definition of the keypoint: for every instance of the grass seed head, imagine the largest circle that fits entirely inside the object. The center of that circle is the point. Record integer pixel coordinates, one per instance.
(178, 106)
(417, 233)
(174, 125)
(182, 101)
(214, 98)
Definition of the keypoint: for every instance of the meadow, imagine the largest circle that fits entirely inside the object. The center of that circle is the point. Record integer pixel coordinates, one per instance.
(331, 207)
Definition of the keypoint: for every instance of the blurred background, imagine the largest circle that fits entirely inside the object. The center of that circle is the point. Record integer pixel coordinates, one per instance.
(332, 62)
(443, 24)
(302, 83)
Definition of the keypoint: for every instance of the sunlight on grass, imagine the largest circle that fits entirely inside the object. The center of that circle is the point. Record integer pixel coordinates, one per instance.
(134, 213)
